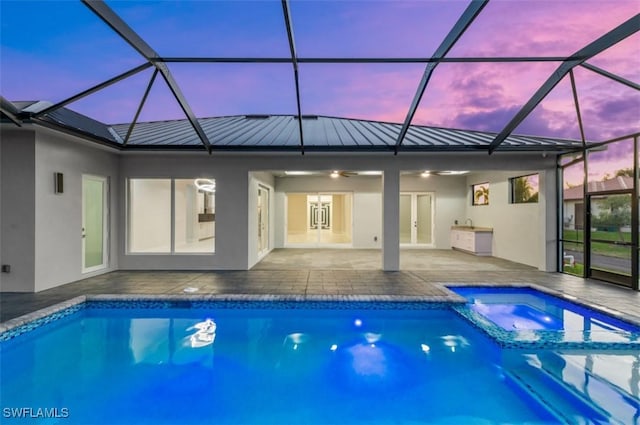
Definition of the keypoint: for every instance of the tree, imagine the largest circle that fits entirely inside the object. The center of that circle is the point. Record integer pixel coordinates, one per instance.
(628, 172)
(615, 212)
(523, 192)
(481, 195)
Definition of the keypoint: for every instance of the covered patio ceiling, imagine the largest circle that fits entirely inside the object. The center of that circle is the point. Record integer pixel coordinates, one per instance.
(428, 75)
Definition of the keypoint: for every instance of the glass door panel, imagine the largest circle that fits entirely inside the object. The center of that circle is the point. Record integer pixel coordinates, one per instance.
(423, 219)
(263, 220)
(416, 223)
(405, 219)
(93, 223)
(610, 234)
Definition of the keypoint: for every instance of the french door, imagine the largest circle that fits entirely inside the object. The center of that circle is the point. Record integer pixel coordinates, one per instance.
(319, 219)
(416, 219)
(95, 219)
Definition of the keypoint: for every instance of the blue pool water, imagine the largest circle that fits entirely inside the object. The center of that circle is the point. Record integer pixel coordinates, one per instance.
(387, 363)
(532, 314)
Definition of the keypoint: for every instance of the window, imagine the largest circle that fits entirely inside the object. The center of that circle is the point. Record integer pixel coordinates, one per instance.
(524, 189)
(480, 194)
(152, 218)
(194, 229)
(150, 215)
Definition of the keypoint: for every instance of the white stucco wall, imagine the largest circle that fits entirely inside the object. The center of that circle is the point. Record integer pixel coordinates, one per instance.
(41, 230)
(17, 229)
(232, 206)
(521, 232)
(58, 217)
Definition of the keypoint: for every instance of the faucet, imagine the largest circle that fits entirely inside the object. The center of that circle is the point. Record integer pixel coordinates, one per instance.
(470, 222)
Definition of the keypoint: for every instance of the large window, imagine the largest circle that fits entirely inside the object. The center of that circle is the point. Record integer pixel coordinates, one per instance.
(524, 189)
(152, 218)
(150, 215)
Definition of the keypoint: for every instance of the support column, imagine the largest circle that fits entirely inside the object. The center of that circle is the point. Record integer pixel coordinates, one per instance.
(391, 220)
(548, 200)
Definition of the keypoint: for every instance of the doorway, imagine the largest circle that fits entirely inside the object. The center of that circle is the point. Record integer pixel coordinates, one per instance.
(319, 219)
(609, 237)
(416, 219)
(263, 220)
(95, 219)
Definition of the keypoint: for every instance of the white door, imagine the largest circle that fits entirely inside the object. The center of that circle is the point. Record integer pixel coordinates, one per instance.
(95, 219)
(416, 219)
(263, 220)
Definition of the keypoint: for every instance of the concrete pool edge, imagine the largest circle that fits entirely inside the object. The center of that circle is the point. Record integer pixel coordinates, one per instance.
(41, 314)
(39, 317)
(48, 314)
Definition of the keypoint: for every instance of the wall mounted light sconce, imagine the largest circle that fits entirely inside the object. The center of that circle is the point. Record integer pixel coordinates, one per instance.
(58, 183)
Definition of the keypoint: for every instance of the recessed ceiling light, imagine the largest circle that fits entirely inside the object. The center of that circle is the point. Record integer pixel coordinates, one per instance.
(425, 174)
(297, 173)
(335, 174)
(451, 173)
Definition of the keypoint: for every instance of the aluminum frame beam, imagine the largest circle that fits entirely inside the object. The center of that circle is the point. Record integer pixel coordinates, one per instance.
(93, 89)
(467, 17)
(610, 75)
(622, 31)
(294, 62)
(104, 12)
(328, 60)
(576, 101)
(142, 102)
(10, 111)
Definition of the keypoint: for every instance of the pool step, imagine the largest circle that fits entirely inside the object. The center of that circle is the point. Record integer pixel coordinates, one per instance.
(573, 404)
(567, 408)
(618, 404)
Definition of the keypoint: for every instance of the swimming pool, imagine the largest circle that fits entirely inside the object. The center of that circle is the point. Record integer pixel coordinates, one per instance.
(298, 362)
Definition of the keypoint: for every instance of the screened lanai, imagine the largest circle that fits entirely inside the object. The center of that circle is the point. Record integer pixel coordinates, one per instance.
(548, 69)
(394, 78)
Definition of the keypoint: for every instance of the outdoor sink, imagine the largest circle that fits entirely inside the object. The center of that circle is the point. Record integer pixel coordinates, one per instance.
(472, 228)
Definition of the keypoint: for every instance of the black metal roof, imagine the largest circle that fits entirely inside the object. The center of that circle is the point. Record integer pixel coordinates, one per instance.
(280, 132)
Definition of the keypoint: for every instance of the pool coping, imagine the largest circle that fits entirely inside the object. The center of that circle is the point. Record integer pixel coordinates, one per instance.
(44, 313)
(48, 314)
(620, 315)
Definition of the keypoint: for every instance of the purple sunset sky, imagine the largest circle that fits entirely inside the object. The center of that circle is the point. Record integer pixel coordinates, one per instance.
(67, 49)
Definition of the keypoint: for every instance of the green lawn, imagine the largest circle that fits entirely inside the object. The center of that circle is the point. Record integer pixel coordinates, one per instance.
(577, 269)
(577, 235)
(600, 247)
